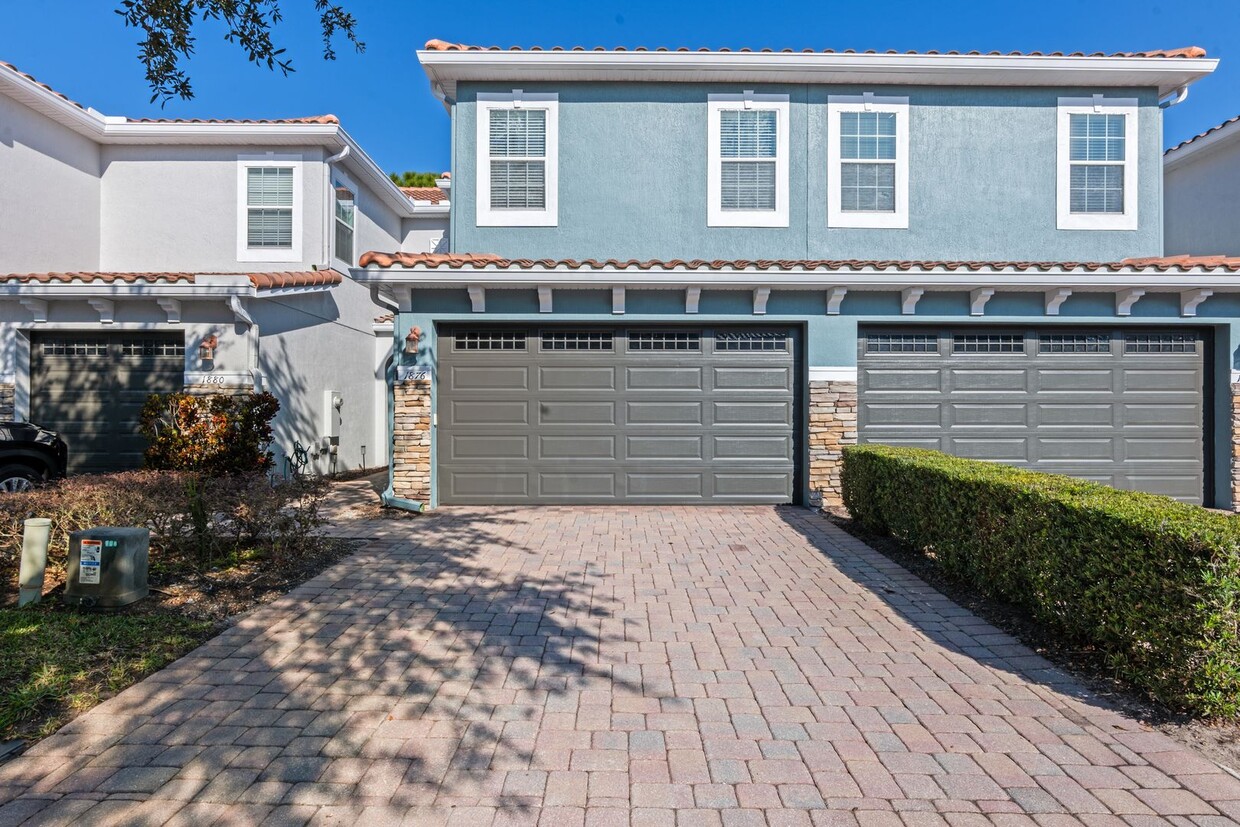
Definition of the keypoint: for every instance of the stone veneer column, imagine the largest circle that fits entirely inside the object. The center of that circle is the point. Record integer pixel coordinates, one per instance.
(1235, 447)
(832, 425)
(8, 401)
(411, 440)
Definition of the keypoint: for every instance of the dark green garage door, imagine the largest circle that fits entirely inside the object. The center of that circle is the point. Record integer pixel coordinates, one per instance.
(91, 388)
(611, 415)
(1120, 406)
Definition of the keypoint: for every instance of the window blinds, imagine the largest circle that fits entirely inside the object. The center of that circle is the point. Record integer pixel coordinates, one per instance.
(1096, 147)
(269, 205)
(746, 138)
(518, 150)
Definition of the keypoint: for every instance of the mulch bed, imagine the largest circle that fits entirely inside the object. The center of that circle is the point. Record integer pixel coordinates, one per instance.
(1219, 741)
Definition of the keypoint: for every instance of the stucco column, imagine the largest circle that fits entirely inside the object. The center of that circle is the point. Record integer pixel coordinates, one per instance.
(832, 425)
(411, 438)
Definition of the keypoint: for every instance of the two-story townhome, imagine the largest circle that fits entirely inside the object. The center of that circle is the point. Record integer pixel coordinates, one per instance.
(693, 276)
(142, 255)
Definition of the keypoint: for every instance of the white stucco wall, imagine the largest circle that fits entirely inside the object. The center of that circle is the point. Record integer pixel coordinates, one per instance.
(49, 194)
(1200, 202)
(425, 234)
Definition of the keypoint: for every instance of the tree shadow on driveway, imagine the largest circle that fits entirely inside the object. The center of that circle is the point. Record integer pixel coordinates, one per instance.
(421, 669)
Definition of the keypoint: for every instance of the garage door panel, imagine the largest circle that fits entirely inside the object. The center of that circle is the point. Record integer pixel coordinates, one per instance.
(664, 447)
(753, 485)
(996, 448)
(752, 379)
(1102, 449)
(592, 377)
(576, 447)
(644, 378)
(487, 483)
(987, 381)
(490, 377)
(909, 414)
(753, 413)
(489, 412)
(915, 379)
(1123, 407)
(1073, 380)
(670, 486)
(752, 447)
(486, 446)
(559, 412)
(576, 484)
(972, 413)
(659, 416)
(1078, 415)
(1161, 381)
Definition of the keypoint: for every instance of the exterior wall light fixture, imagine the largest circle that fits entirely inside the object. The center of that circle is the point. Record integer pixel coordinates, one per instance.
(206, 350)
(412, 340)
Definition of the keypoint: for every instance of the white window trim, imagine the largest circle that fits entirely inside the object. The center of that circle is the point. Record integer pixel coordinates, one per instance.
(1068, 220)
(716, 216)
(335, 174)
(244, 251)
(549, 215)
(836, 215)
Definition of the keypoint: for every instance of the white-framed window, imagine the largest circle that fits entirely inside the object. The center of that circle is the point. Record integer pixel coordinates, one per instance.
(867, 161)
(1096, 176)
(344, 217)
(269, 208)
(518, 159)
(747, 169)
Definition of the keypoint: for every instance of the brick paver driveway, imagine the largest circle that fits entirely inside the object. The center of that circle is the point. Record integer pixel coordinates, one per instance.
(601, 666)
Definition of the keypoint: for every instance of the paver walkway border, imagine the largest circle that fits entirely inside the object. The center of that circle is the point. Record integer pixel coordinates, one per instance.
(599, 666)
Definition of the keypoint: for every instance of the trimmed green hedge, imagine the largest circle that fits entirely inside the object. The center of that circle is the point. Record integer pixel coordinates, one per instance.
(1153, 583)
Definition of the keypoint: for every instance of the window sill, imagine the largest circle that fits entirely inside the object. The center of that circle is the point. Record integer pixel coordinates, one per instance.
(741, 218)
(280, 255)
(867, 220)
(1096, 221)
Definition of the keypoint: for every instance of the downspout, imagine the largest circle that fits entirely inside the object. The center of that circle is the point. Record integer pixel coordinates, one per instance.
(328, 163)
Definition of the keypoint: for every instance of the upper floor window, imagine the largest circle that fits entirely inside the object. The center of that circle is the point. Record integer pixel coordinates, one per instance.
(867, 157)
(747, 184)
(345, 199)
(1097, 168)
(269, 216)
(518, 159)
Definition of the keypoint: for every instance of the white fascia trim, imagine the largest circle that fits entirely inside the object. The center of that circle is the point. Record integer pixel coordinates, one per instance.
(833, 374)
(1068, 220)
(716, 216)
(445, 69)
(1222, 134)
(246, 162)
(549, 215)
(836, 215)
(874, 278)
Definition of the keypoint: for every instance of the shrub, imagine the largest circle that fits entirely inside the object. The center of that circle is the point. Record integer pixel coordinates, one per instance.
(190, 517)
(217, 435)
(1151, 582)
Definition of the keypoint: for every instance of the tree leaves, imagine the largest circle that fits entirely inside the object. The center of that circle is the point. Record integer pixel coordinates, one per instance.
(168, 35)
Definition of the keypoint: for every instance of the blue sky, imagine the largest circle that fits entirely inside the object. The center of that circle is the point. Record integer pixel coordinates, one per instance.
(81, 48)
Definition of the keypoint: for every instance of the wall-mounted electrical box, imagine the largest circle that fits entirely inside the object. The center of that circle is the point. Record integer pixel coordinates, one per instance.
(333, 407)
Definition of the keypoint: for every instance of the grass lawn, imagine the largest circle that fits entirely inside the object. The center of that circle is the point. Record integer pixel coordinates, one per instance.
(56, 661)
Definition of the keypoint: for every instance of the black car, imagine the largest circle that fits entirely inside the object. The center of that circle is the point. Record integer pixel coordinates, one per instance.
(29, 455)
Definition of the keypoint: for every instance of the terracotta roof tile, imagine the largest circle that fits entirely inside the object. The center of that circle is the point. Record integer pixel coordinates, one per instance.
(37, 82)
(432, 194)
(460, 260)
(102, 278)
(386, 318)
(320, 120)
(1199, 135)
(261, 281)
(444, 46)
(304, 278)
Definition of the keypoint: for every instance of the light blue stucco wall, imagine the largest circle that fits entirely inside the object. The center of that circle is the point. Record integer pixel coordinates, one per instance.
(831, 341)
(633, 159)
